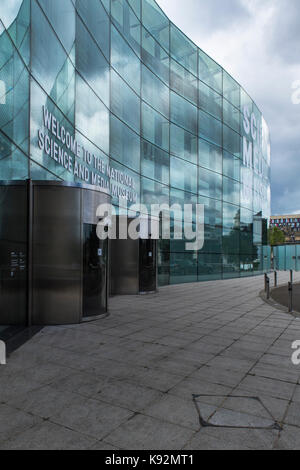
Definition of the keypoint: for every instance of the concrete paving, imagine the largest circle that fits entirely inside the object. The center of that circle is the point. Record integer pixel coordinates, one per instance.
(197, 366)
(281, 295)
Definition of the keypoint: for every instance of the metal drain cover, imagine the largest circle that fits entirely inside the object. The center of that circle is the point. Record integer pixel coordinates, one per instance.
(234, 412)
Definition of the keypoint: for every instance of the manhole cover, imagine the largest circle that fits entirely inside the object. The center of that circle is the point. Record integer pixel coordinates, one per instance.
(234, 412)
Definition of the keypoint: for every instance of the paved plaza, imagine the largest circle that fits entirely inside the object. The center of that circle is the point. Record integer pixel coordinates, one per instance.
(196, 366)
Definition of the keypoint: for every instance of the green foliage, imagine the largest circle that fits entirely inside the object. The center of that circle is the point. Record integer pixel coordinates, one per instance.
(276, 236)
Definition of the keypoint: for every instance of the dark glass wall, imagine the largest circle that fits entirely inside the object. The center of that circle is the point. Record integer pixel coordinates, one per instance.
(111, 93)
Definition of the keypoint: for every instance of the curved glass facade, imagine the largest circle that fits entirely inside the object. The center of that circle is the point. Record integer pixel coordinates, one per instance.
(112, 94)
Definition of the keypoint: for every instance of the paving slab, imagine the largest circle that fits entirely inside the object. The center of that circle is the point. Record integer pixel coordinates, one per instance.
(128, 381)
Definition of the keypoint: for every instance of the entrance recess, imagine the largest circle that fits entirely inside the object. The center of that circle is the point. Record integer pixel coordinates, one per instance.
(94, 273)
(147, 265)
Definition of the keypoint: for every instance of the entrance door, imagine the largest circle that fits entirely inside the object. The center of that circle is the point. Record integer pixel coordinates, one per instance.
(147, 265)
(94, 273)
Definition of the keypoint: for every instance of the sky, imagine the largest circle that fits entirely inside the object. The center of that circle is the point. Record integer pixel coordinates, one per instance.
(258, 42)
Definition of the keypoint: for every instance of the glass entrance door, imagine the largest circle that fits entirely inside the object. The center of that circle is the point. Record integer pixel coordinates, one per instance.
(94, 273)
(147, 265)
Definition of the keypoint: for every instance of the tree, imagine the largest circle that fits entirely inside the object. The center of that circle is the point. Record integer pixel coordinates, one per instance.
(276, 236)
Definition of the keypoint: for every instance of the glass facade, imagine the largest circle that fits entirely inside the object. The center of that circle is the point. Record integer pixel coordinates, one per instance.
(286, 257)
(112, 94)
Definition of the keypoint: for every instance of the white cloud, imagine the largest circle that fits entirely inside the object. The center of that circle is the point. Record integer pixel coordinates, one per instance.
(9, 10)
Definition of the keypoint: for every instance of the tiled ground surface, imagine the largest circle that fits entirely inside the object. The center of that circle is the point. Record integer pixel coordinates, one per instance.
(128, 381)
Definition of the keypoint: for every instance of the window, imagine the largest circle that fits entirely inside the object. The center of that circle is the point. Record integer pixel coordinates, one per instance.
(155, 92)
(124, 102)
(183, 50)
(124, 144)
(183, 113)
(155, 57)
(125, 61)
(210, 128)
(183, 144)
(155, 127)
(156, 22)
(127, 23)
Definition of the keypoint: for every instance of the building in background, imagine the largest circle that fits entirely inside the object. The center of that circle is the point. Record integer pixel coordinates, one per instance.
(289, 225)
(109, 101)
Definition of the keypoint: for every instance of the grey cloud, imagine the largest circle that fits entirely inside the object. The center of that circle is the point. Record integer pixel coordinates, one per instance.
(285, 31)
(205, 15)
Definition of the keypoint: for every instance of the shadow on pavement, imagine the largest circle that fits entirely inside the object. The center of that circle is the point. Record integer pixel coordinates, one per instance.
(280, 295)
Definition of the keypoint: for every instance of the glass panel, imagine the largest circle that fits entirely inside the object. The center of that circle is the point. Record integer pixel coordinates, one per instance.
(231, 116)
(210, 184)
(290, 253)
(155, 92)
(124, 102)
(91, 63)
(47, 54)
(155, 128)
(155, 57)
(155, 163)
(213, 215)
(231, 266)
(163, 268)
(106, 4)
(181, 198)
(154, 192)
(124, 144)
(183, 113)
(231, 89)
(183, 144)
(231, 190)
(210, 101)
(210, 128)
(156, 22)
(14, 95)
(183, 50)
(231, 217)
(97, 22)
(209, 267)
(8, 15)
(179, 246)
(183, 267)
(231, 141)
(124, 60)
(231, 166)
(212, 239)
(92, 117)
(13, 163)
(16, 18)
(210, 72)
(61, 14)
(136, 6)
(184, 82)
(210, 156)
(183, 175)
(127, 23)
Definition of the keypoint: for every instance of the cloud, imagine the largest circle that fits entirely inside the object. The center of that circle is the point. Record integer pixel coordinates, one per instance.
(285, 37)
(205, 15)
(258, 42)
(9, 10)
